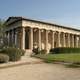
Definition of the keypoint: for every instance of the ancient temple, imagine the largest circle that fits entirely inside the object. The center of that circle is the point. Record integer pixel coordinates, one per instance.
(26, 33)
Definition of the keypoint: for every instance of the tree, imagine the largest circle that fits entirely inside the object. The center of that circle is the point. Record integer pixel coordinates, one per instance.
(2, 32)
(2, 26)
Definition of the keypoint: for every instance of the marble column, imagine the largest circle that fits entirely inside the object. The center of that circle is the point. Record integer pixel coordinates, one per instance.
(23, 38)
(59, 44)
(76, 41)
(12, 37)
(31, 38)
(64, 43)
(68, 40)
(72, 40)
(46, 34)
(39, 41)
(8, 37)
(79, 41)
(53, 39)
(15, 38)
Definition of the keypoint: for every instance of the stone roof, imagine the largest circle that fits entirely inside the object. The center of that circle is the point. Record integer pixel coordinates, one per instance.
(28, 19)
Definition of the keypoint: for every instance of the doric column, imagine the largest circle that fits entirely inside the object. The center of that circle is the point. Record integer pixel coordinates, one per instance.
(39, 41)
(68, 40)
(59, 45)
(79, 41)
(23, 38)
(31, 38)
(53, 39)
(76, 41)
(46, 34)
(12, 37)
(15, 38)
(64, 43)
(72, 40)
(8, 36)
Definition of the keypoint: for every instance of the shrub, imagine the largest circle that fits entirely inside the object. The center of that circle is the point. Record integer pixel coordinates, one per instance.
(36, 50)
(4, 58)
(22, 52)
(65, 50)
(13, 53)
(43, 51)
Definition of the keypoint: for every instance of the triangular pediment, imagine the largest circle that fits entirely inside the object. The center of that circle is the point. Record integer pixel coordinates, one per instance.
(12, 19)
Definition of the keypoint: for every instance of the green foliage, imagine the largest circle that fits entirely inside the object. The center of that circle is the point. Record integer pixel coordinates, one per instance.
(36, 50)
(65, 50)
(22, 52)
(3, 40)
(69, 58)
(2, 26)
(4, 43)
(43, 51)
(4, 58)
(13, 53)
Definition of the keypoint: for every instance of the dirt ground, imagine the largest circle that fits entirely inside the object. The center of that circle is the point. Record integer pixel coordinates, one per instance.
(41, 71)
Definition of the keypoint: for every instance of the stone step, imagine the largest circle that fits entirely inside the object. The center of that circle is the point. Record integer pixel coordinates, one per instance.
(28, 52)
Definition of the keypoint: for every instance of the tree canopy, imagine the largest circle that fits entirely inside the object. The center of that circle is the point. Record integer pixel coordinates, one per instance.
(2, 26)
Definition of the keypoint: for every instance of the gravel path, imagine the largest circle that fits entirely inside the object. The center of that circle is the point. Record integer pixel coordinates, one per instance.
(40, 72)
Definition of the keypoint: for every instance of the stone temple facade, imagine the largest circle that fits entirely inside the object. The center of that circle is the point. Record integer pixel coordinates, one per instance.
(27, 33)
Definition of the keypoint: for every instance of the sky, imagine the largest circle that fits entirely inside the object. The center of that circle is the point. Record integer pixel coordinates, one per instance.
(64, 12)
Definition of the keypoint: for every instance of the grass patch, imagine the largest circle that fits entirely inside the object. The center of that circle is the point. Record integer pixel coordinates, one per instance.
(74, 59)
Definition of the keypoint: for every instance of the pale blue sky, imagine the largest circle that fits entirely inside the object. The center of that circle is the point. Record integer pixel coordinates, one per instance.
(65, 12)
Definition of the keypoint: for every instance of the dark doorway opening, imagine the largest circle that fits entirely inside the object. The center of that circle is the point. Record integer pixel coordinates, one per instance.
(55, 44)
(26, 40)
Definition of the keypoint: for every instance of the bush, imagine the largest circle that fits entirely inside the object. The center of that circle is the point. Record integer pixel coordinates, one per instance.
(13, 53)
(22, 52)
(65, 50)
(4, 58)
(36, 50)
(43, 51)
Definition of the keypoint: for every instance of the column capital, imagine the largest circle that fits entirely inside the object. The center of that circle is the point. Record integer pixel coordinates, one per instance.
(59, 32)
(53, 31)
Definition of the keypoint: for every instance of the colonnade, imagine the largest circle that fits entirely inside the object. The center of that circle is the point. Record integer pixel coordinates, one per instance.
(47, 39)
(42, 38)
(13, 37)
